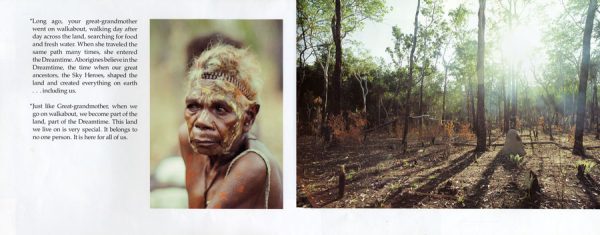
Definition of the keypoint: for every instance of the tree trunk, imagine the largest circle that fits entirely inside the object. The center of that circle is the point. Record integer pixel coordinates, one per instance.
(583, 76)
(499, 117)
(444, 94)
(594, 116)
(472, 107)
(421, 91)
(506, 106)
(573, 115)
(593, 103)
(513, 118)
(422, 75)
(364, 90)
(385, 110)
(336, 101)
(513, 80)
(480, 80)
(410, 80)
(325, 68)
(379, 111)
(597, 118)
(551, 124)
(341, 181)
(468, 103)
(325, 107)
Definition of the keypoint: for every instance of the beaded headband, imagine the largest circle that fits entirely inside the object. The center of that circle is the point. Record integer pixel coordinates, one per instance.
(232, 80)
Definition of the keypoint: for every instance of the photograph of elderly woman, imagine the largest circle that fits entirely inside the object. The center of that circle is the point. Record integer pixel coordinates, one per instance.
(216, 114)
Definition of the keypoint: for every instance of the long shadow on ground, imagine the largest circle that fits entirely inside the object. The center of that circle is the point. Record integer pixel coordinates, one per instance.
(330, 194)
(473, 200)
(407, 200)
(590, 187)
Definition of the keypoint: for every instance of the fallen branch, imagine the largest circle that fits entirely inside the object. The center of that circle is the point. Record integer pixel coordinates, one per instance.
(464, 144)
(379, 126)
(367, 131)
(548, 142)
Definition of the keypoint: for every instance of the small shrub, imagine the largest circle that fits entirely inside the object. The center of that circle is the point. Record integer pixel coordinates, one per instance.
(357, 123)
(349, 130)
(588, 165)
(460, 200)
(516, 159)
(337, 124)
(351, 174)
(449, 129)
(465, 133)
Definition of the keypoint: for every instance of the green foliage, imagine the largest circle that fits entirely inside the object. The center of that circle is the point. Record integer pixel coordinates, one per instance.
(588, 165)
(516, 159)
(402, 44)
(314, 21)
(414, 185)
(460, 200)
(458, 16)
(563, 49)
(360, 64)
(433, 32)
(351, 174)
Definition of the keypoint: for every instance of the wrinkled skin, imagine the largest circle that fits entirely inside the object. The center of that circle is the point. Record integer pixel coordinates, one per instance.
(216, 113)
(218, 118)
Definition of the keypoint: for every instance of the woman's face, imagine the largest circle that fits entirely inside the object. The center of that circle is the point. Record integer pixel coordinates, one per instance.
(215, 117)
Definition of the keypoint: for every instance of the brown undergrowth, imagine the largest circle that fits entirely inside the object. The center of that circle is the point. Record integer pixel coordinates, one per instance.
(441, 175)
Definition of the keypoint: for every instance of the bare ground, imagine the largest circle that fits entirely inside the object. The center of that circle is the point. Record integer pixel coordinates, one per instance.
(444, 175)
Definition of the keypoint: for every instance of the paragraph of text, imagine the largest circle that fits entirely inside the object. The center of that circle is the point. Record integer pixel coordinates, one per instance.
(60, 121)
(70, 54)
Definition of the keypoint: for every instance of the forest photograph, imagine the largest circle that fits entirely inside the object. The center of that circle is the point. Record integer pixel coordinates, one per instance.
(448, 104)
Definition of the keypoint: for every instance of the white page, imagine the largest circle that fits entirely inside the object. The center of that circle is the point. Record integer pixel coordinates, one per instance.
(101, 188)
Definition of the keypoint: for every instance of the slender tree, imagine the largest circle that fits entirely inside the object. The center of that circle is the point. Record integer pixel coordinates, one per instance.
(480, 79)
(361, 67)
(458, 18)
(583, 77)
(444, 90)
(506, 106)
(594, 103)
(336, 29)
(430, 34)
(410, 80)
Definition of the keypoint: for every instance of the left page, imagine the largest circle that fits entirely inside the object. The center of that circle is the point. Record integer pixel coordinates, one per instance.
(94, 100)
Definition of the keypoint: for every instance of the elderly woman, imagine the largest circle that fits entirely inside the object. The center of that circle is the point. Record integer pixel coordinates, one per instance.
(226, 167)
